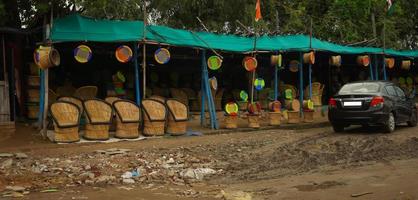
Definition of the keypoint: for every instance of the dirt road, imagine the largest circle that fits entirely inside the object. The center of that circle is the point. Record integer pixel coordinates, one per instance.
(271, 164)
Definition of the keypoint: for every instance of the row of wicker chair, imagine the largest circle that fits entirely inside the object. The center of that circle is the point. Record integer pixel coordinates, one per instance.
(66, 113)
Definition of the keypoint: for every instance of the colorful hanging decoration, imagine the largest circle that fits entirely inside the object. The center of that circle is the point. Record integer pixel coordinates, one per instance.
(231, 109)
(276, 60)
(363, 61)
(123, 54)
(118, 80)
(243, 95)
(119, 77)
(259, 84)
(335, 61)
(308, 105)
(406, 65)
(214, 62)
(309, 58)
(250, 63)
(288, 94)
(162, 55)
(254, 108)
(390, 63)
(45, 57)
(294, 66)
(275, 106)
(213, 82)
(83, 54)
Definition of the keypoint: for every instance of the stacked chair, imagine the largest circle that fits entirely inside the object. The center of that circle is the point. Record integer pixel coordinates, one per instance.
(99, 115)
(154, 115)
(178, 115)
(86, 92)
(66, 118)
(127, 119)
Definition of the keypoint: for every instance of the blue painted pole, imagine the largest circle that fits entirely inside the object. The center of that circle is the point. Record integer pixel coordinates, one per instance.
(202, 91)
(208, 92)
(276, 83)
(41, 98)
(301, 82)
(137, 90)
(371, 67)
(310, 81)
(384, 68)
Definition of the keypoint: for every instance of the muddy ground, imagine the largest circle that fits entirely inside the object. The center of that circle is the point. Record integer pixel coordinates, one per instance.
(312, 163)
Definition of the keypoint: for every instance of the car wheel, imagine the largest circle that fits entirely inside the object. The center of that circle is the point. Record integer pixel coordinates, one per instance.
(390, 124)
(413, 120)
(338, 128)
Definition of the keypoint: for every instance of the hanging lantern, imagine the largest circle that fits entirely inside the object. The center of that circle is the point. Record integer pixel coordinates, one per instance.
(309, 58)
(243, 95)
(123, 54)
(406, 65)
(214, 62)
(83, 54)
(335, 61)
(250, 63)
(276, 60)
(231, 109)
(390, 62)
(162, 56)
(259, 84)
(213, 82)
(363, 61)
(294, 66)
(45, 57)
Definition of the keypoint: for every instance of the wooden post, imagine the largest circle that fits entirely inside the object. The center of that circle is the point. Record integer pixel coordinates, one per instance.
(276, 82)
(310, 81)
(384, 67)
(144, 53)
(376, 67)
(371, 67)
(301, 81)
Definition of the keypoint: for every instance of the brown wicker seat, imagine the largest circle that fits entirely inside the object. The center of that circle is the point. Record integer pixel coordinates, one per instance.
(284, 87)
(66, 118)
(317, 90)
(178, 115)
(127, 119)
(179, 95)
(154, 114)
(98, 116)
(66, 91)
(86, 92)
(158, 98)
(73, 100)
(110, 100)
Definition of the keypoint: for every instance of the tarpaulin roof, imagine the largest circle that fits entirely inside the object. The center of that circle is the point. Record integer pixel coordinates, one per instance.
(78, 28)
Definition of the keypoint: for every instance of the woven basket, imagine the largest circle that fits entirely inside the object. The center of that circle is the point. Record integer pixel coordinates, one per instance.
(178, 116)
(33, 95)
(158, 98)
(154, 114)
(33, 111)
(110, 100)
(127, 119)
(98, 115)
(218, 99)
(275, 118)
(86, 92)
(180, 95)
(66, 117)
(231, 121)
(242, 105)
(33, 81)
(293, 117)
(253, 121)
(66, 91)
(308, 116)
(73, 100)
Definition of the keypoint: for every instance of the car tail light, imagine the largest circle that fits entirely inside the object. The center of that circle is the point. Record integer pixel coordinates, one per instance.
(332, 103)
(376, 101)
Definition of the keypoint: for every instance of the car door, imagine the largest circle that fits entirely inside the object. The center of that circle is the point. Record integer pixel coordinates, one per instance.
(393, 101)
(403, 105)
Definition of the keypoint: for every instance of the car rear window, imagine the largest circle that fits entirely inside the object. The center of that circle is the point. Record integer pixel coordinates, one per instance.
(359, 88)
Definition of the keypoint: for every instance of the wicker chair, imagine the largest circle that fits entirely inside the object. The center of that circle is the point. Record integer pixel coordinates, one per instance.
(98, 114)
(52, 96)
(317, 90)
(110, 100)
(191, 95)
(179, 95)
(66, 118)
(127, 119)
(66, 91)
(154, 114)
(73, 100)
(178, 116)
(284, 87)
(86, 92)
(158, 98)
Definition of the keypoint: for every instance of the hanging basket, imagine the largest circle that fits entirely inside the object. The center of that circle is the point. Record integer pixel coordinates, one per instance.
(250, 63)
(363, 61)
(46, 57)
(83, 54)
(309, 58)
(123, 54)
(214, 62)
(406, 65)
(335, 61)
(213, 82)
(390, 63)
(162, 56)
(294, 66)
(276, 60)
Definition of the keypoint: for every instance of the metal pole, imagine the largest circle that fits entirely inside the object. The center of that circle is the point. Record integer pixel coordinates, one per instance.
(310, 81)
(384, 68)
(376, 67)
(301, 82)
(276, 82)
(136, 68)
(144, 53)
(202, 91)
(371, 67)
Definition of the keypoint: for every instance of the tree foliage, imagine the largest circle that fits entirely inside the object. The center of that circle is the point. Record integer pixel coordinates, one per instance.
(341, 21)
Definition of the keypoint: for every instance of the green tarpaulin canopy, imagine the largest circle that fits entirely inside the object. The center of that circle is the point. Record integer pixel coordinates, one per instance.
(78, 28)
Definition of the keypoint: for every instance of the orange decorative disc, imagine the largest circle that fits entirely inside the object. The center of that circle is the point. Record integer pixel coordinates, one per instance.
(250, 63)
(123, 54)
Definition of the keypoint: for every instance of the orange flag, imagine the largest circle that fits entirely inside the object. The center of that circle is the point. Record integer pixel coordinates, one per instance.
(257, 11)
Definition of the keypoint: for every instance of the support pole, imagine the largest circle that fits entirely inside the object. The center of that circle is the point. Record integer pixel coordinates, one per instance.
(301, 81)
(136, 68)
(276, 83)
(144, 52)
(208, 93)
(384, 68)
(376, 67)
(45, 113)
(310, 81)
(371, 67)
(202, 92)
(41, 99)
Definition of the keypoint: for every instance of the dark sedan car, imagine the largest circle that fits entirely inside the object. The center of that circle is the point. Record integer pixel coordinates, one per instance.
(371, 103)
